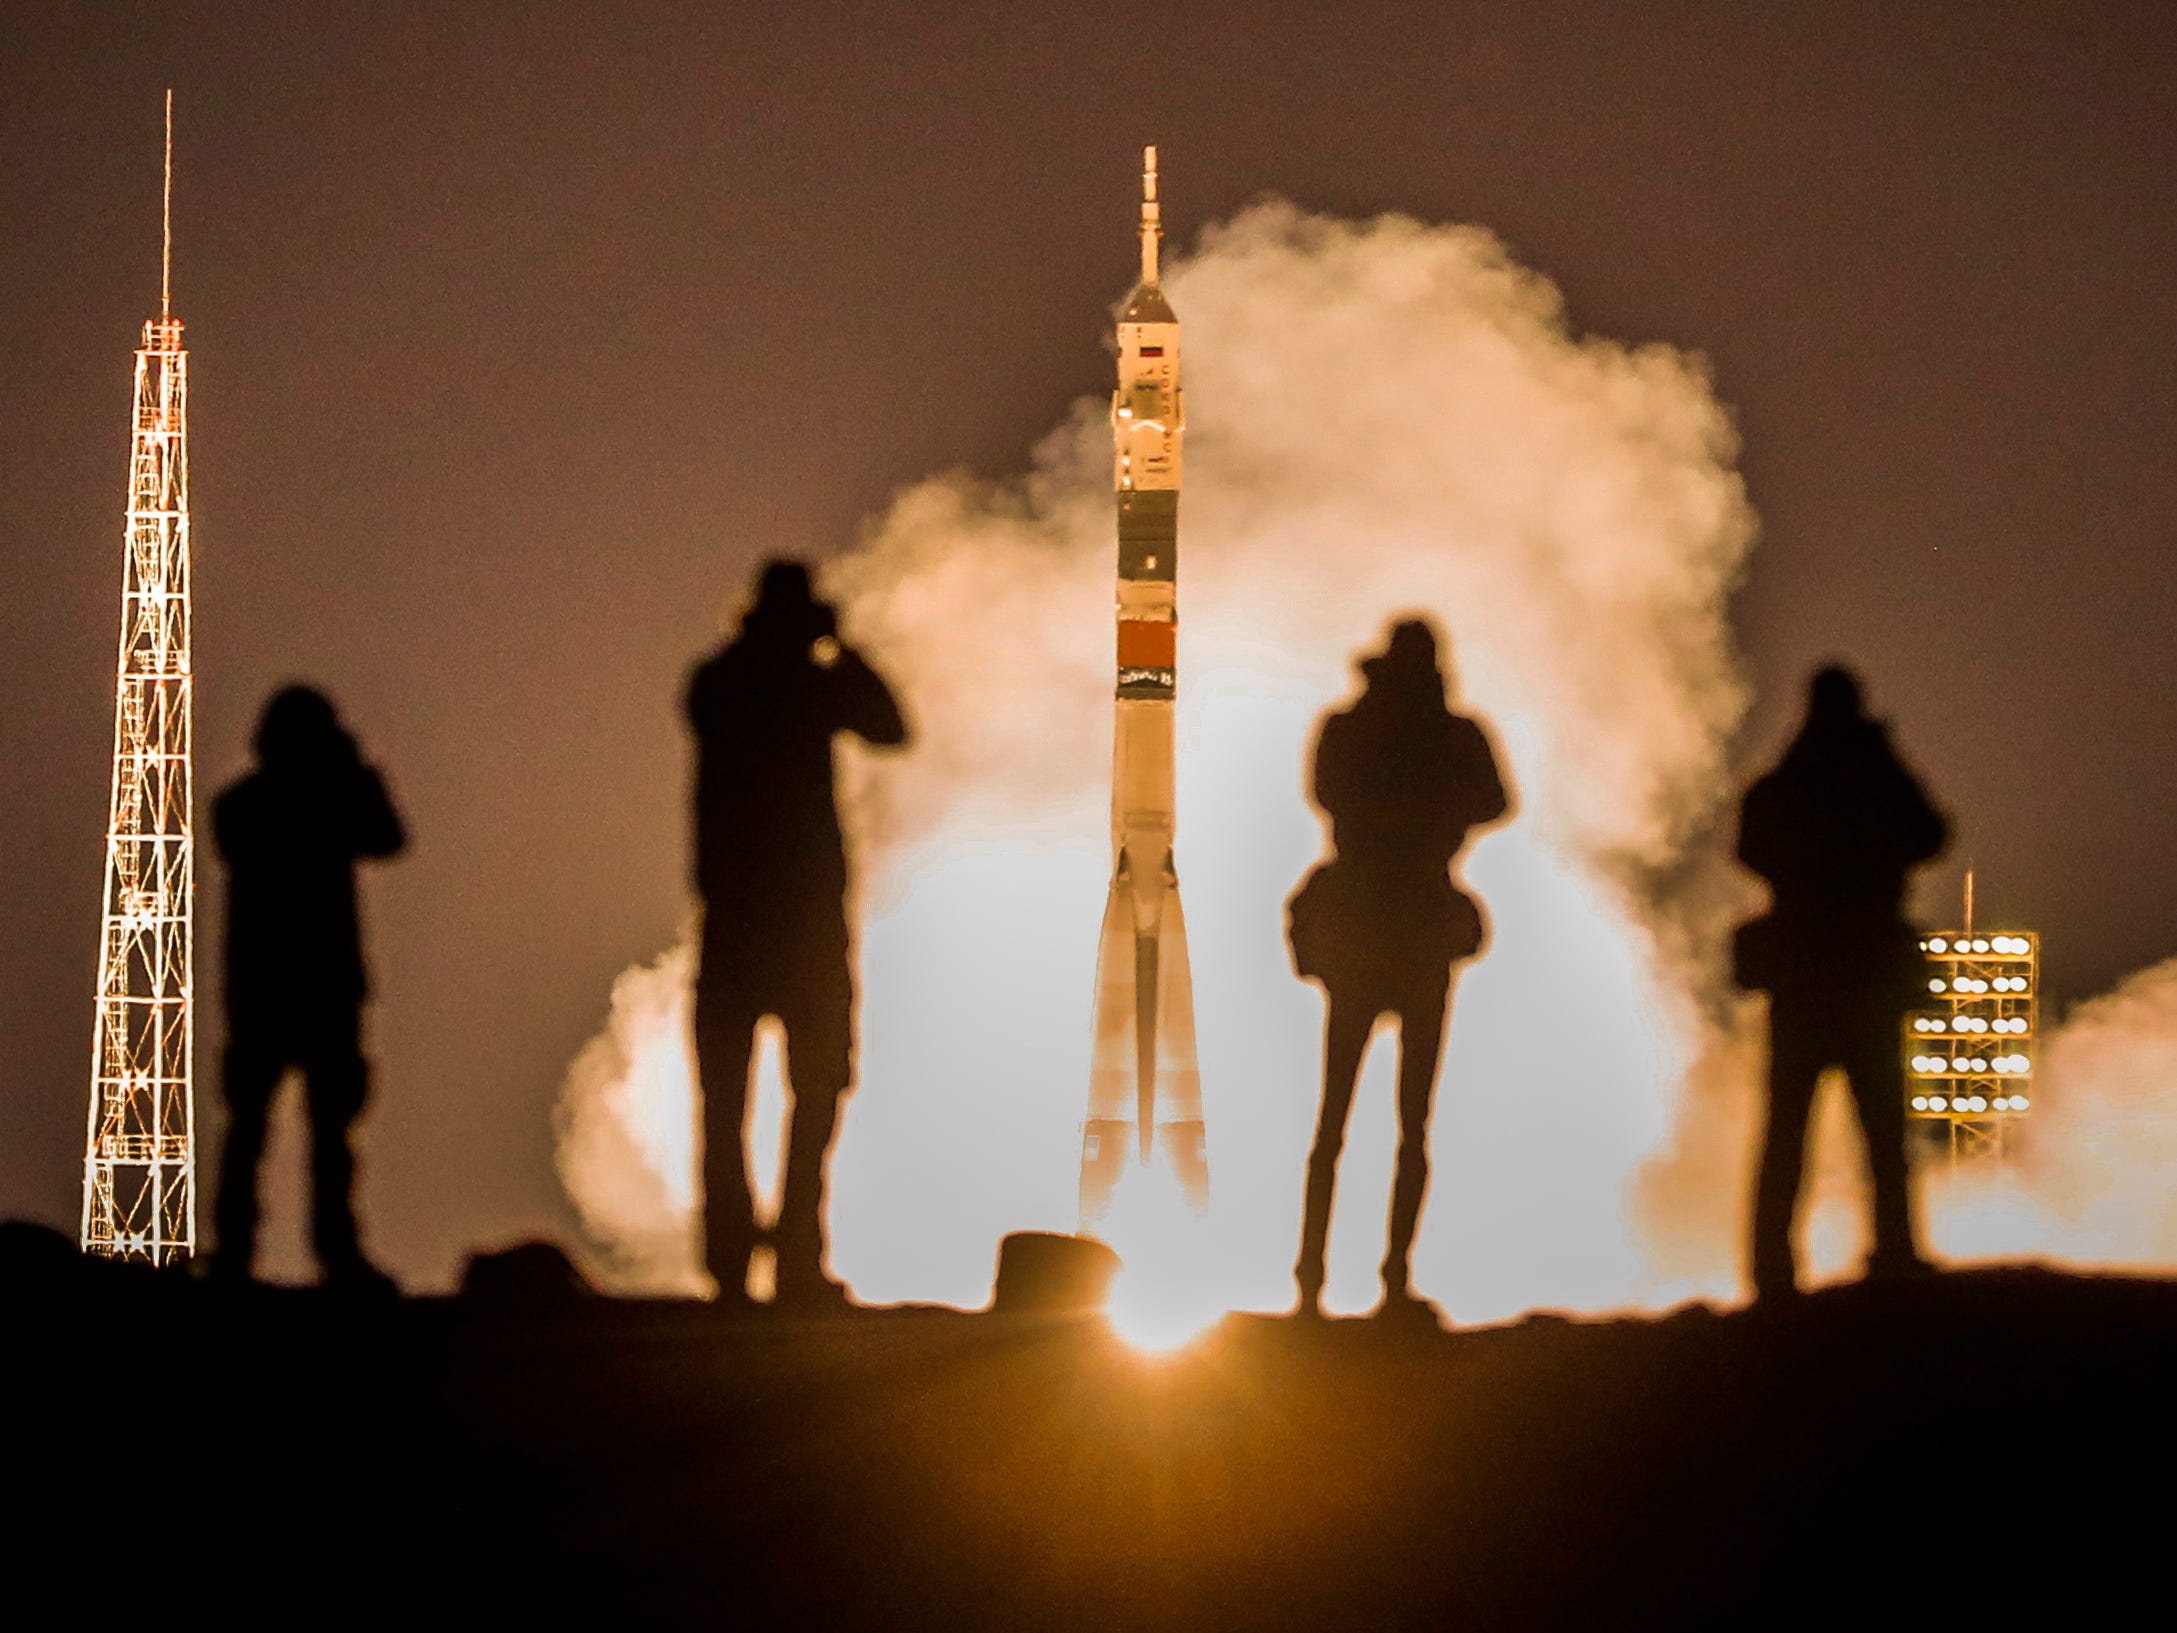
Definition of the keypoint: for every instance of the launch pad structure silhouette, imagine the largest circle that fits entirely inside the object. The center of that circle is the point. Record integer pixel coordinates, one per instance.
(1145, 1088)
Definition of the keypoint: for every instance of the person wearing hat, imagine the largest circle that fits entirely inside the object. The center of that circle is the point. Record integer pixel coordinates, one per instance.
(771, 869)
(1403, 780)
(290, 833)
(1836, 829)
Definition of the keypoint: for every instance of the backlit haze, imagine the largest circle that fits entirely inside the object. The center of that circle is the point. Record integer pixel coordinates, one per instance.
(1570, 510)
(520, 335)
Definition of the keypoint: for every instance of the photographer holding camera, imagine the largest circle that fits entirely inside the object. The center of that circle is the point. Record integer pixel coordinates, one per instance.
(290, 833)
(770, 865)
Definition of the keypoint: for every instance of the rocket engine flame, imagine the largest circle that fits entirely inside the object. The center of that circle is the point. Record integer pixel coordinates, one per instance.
(1170, 1286)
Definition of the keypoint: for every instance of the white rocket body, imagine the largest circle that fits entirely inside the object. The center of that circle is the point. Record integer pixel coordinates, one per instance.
(1145, 1090)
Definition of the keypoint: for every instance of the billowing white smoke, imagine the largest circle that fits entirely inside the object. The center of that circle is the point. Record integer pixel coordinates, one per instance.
(2092, 1184)
(626, 1124)
(1383, 417)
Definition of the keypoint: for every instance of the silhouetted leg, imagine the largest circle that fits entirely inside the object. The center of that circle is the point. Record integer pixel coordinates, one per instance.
(1420, 1056)
(725, 1037)
(1345, 1040)
(339, 1084)
(1795, 1065)
(249, 1077)
(1878, 1091)
(820, 1068)
(802, 1197)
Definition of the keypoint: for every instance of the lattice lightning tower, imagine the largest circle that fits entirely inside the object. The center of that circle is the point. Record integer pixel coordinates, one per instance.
(139, 1161)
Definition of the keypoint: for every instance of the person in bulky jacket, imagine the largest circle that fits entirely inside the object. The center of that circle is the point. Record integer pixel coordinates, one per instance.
(290, 834)
(1403, 780)
(1836, 829)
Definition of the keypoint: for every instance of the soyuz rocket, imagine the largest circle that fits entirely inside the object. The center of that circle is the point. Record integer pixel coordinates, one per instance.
(1145, 1090)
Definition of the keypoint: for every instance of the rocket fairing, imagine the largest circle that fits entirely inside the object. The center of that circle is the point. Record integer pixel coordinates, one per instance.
(1144, 1087)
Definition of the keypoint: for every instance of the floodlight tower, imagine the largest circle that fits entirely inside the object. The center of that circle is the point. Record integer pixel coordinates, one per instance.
(1969, 1050)
(139, 1160)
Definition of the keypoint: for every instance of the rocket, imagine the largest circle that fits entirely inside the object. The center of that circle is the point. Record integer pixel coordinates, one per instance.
(1145, 1089)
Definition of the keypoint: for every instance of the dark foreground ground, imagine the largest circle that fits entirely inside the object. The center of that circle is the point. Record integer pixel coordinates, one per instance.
(1991, 1449)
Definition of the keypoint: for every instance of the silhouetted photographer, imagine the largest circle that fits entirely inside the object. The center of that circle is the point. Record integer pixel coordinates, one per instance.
(770, 864)
(290, 833)
(1404, 780)
(1836, 829)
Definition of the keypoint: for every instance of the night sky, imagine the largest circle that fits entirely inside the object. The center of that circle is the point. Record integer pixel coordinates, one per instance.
(518, 335)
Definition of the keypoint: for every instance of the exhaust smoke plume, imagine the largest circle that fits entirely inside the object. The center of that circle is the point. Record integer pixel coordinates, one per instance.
(2092, 1184)
(1385, 417)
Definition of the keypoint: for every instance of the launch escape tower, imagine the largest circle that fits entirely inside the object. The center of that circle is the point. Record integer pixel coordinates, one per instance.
(1145, 1092)
(1969, 1047)
(139, 1160)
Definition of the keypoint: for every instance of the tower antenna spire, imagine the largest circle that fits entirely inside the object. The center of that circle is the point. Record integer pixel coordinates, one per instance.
(166, 220)
(1152, 225)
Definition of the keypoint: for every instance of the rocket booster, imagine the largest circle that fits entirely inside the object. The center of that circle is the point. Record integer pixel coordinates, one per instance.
(1144, 1085)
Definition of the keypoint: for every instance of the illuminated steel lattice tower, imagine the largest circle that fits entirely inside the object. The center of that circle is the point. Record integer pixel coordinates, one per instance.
(139, 1161)
(1969, 1049)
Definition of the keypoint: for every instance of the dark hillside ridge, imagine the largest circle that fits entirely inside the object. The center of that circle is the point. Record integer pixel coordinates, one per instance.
(1963, 1448)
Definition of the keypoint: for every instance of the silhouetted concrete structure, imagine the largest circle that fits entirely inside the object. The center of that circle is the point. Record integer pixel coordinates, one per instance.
(1043, 1273)
(1403, 780)
(770, 864)
(290, 833)
(534, 1276)
(1836, 829)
